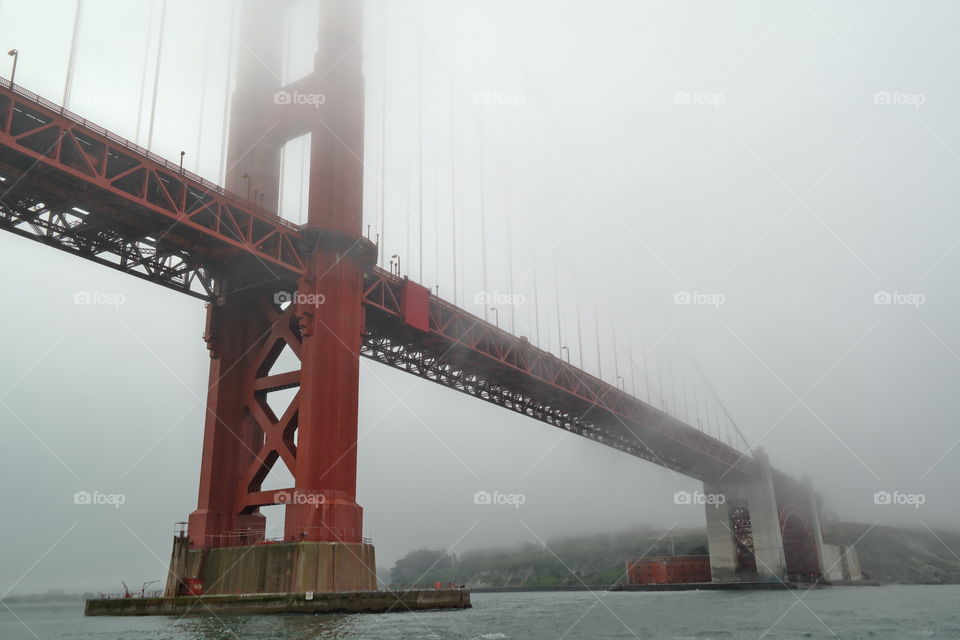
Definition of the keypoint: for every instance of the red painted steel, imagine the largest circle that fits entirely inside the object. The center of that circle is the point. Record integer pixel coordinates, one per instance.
(668, 569)
(324, 324)
(153, 194)
(415, 305)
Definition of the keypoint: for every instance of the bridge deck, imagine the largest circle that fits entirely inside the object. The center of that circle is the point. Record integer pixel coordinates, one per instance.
(73, 185)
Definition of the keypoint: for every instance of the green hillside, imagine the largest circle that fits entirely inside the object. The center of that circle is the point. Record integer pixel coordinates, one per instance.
(887, 554)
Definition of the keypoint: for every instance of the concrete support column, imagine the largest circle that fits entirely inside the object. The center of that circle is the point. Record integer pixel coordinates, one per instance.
(720, 542)
(757, 495)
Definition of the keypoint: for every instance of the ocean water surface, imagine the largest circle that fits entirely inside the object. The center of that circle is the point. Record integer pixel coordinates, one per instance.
(896, 612)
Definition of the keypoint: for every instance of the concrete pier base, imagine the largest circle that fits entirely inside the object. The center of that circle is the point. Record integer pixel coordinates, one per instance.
(268, 603)
(291, 567)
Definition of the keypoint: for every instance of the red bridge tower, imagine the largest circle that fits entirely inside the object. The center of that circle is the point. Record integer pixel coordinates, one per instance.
(319, 316)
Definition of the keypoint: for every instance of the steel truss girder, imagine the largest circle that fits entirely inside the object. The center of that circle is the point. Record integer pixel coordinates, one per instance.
(37, 135)
(516, 373)
(448, 372)
(67, 230)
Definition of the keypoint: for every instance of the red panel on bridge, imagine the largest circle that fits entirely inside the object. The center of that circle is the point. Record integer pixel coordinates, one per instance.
(415, 303)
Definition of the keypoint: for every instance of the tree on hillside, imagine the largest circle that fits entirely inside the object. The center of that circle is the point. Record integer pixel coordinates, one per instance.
(412, 567)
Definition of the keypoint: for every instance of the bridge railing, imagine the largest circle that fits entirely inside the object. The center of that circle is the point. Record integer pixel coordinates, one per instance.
(141, 151)
(423, 586)
(247, 537)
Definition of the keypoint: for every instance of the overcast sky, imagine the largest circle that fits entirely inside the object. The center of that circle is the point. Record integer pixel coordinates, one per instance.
(788, 162)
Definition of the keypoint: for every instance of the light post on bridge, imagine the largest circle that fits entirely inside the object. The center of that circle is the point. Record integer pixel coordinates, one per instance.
(13, 73)
(567, 349)
(246, 176)
(396, 257)
(496, 316)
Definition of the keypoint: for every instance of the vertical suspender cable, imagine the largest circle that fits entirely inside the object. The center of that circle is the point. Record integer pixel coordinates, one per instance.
(683, 393)
(576, 303)
(483, 220)
(72, 61)
(673, 389)
(706, 411)
(453, 183)
(646, 372)
(663, 402)
(513, 306)
(203, 96)
(383, 148)
(409, 225)
(143, 76)
(696, 404)
(156, 74)
(596, 325)
(420, 147)
(616, 364)
(536, 295)
(556, 298)
(228, 76)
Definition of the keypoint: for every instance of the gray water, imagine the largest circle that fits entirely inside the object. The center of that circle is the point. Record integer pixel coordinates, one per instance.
(900, 612)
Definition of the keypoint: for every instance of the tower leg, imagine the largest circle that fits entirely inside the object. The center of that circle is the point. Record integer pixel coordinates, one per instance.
(322, 546)
(743, 533)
